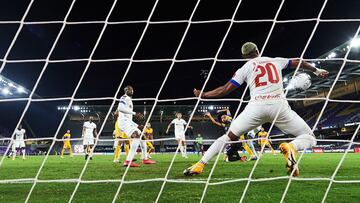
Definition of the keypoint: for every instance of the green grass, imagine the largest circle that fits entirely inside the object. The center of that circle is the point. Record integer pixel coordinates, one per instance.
(102, 168)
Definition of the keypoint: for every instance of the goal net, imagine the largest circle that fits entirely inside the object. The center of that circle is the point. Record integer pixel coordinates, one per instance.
(61, 67)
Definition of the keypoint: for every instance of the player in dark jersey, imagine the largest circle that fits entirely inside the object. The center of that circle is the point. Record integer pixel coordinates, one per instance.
(231, 151)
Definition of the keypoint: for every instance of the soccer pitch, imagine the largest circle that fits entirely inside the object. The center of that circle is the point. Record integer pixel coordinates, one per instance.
(102, 168)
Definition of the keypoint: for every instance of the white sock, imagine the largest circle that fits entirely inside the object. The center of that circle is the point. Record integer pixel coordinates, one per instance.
(23, 152)
(143, 147)
(133, 147)
(214, 149)
(14, 154)
(304, 141)
(185, 151)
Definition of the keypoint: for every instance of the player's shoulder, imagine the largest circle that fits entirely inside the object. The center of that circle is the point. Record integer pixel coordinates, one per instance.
(266, 59)
(248, 66)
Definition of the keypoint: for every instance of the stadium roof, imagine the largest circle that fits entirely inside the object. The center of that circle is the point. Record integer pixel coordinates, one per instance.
(332, 61)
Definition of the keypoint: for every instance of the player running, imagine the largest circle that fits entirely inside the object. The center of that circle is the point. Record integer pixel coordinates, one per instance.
(148, 134)
(179, 125)
(263, 75)
(130, 128)
(66, 144)
(19, 142)
(89, 132)
(264, 141)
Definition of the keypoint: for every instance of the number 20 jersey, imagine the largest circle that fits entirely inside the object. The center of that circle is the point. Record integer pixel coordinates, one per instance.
(263, 75)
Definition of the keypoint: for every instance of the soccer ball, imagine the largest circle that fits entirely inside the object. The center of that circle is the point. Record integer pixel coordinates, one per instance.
(300, 81)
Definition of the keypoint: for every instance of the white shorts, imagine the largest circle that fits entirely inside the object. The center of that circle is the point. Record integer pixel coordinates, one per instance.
(258, 113)
(180, 136)
(128, 127)
(88, 141)
(19, 144)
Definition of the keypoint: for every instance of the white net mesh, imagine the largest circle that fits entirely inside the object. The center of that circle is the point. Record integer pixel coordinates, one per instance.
(157, 99)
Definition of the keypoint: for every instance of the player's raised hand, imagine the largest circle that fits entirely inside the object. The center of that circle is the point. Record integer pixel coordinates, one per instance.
(321, 73)
(196, 92)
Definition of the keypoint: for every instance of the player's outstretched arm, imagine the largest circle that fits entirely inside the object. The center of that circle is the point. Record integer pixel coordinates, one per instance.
(307, 66)
(228, 113)
(168, 128)
(218, 92)
(212, 119)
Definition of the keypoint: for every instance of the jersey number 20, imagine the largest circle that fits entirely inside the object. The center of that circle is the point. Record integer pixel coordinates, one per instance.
(268, 70)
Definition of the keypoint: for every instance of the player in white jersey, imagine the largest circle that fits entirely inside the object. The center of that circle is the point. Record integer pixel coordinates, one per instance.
(89, 132)
(130, 128)
(19, 142)
(263, 76)
(179, 131)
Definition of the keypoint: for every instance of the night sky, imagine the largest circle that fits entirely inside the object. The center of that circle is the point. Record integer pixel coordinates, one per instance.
(160, 41)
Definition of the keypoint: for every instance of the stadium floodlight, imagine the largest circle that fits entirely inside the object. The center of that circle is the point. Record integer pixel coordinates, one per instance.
(355, 42)
(211, 107)
(76, 108)
(20, 89)
(286, 79)
(332, 55)
(6, 91)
